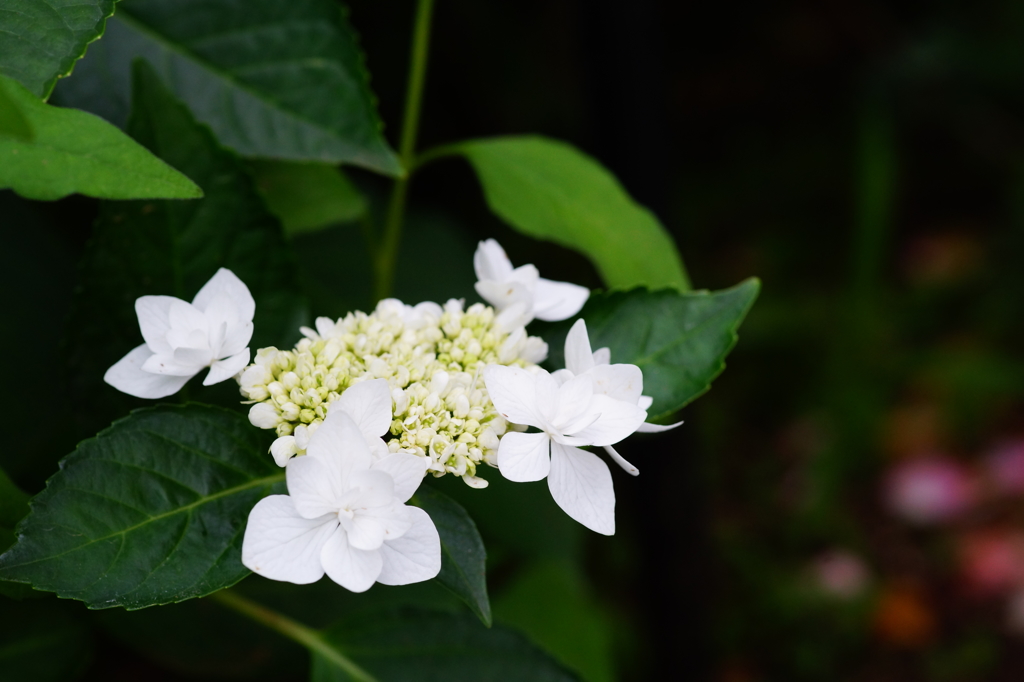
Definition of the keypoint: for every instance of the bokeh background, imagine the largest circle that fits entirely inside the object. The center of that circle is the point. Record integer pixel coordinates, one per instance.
(847, 502)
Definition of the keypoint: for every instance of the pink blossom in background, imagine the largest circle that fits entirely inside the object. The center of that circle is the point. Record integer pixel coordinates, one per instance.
(1004, 467)
(928, 490)
(992, 561)
(840, 573)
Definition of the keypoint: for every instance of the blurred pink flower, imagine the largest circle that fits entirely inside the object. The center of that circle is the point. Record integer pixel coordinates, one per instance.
(992, 561)
(1004, 467)
(840, 573)
(928, 490)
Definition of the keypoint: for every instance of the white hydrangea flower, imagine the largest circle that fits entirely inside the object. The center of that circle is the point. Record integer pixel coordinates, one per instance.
(568, 415)
(521, 294)
(430, 358)
(621, 382)
(344, 516)
(183, 338)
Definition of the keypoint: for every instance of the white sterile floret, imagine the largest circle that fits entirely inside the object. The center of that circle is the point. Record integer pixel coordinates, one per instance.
(521, 294)
(568, 415)
(345, 516)
(182, 339)
(621, 382)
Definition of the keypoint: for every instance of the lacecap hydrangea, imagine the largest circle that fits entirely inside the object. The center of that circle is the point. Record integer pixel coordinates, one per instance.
(432, 358)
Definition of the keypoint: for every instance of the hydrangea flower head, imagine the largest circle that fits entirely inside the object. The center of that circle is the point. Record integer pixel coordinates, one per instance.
(182, 339)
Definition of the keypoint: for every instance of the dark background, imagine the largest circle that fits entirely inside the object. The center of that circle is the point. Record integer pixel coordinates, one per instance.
(864, 160)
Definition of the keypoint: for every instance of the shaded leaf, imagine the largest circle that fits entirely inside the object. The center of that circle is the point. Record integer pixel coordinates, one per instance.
(549, 603)
(306, 197)
(679, 340)
(415, 645)
(12, 122)
(282, 80)
(44, 38)
(150, 511)
(73, 151)
(173, 248)
(42, 642)
(463, 557)
(550, 190)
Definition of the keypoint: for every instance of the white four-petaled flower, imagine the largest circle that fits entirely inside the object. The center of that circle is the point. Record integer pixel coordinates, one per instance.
(621, 382)
(344, 516)
(183, 338)
(568, 415)
(521, 294)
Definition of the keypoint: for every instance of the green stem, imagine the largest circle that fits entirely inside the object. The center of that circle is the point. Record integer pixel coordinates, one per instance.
(388, 253)
(307, 637)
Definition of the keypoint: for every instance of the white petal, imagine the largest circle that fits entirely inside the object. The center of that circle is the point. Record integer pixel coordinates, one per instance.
(369, 405)
(621, 382)
(225, 281)
(573, 408)
(656, 428)
(127, 376)
(554, 301)
(503, 293)
(220, 313)
(236, 338)
(406, 470)
(578, 356)
(645, 402)
(513, 391)
(264, 416)
(353, 569)
(370, 529)
(561, 376)
(618, 420)
(340, 445)
(582, 486)
(517, 314)
(281, 545)
(414, 557)
(193, 357)
(524, 456)
(490, 261)
(168, 364)
(313, 491)
(227, 368)
(375, 488)
(325, 326)
(154, 321)
(621, 461)
(603, 356)
(283, 449)
(185, 318)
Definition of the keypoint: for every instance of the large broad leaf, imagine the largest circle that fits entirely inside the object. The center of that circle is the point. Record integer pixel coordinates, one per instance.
(552, 191)
(307, 196)
(12, 122)
(679, 340)
(414, 645)
(463, 557)
(150, 511)
(73, 151)
(273, 79)
(42, 39)
(42, 641)
(173, 248)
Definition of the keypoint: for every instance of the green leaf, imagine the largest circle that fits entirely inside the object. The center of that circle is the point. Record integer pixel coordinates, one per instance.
(73, 151)
(549, 603)
(550, 190)
(42, 642)
(282, 80)
(463, 556)
(173, 248)
(44, 38)
(151, 511)
(679, 340)
(13, 503)
(415, 645)
(12, 122)
(307, 196)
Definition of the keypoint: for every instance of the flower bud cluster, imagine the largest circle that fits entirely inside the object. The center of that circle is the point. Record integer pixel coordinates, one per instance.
(432, 357)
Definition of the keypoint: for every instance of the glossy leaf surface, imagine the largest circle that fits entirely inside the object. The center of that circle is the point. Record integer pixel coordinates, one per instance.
(150, 511)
